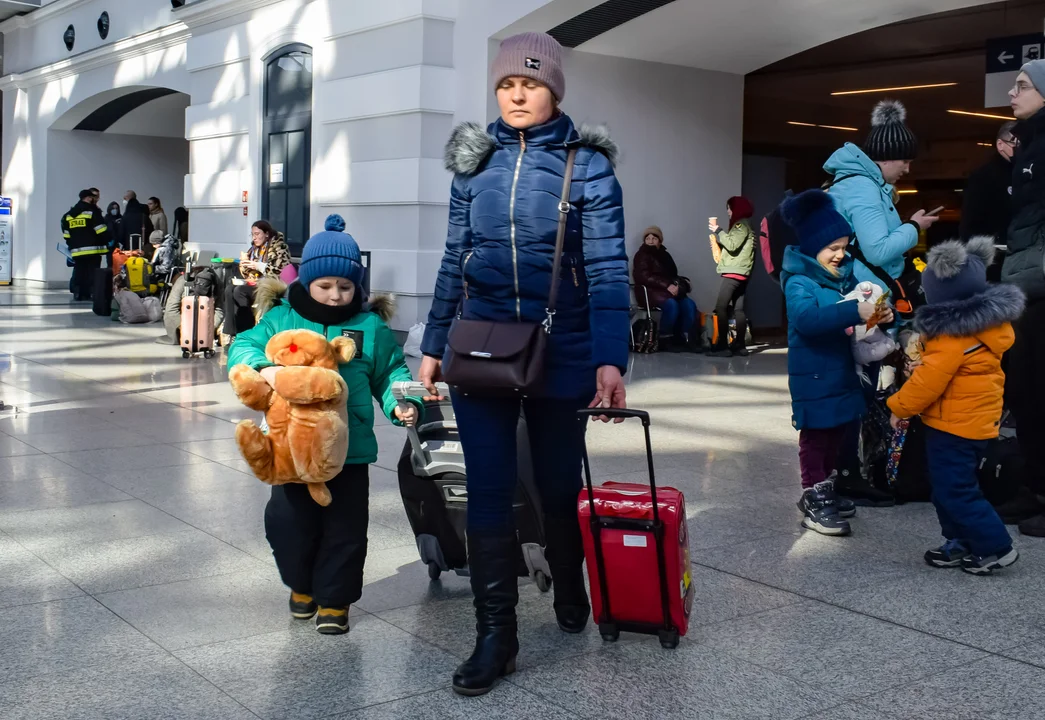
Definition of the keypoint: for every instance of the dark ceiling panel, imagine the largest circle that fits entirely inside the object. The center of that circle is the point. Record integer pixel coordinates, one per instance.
(107, 115)
(602, 18)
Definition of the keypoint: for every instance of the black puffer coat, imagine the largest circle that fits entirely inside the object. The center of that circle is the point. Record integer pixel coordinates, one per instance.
(1026, 240)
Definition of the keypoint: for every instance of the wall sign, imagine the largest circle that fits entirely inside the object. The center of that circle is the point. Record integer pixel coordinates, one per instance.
(1005, 56)
(276, 173)
(70, 37)
(6, 240)
(103, 25)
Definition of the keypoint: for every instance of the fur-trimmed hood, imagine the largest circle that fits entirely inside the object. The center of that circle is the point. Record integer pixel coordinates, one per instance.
(270, 292)
(974, 316)
(470, 143)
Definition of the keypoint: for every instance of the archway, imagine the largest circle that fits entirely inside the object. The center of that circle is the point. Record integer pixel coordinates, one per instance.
(129, 138)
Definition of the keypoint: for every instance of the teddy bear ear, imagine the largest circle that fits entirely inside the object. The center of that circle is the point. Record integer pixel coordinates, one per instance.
(344, 349)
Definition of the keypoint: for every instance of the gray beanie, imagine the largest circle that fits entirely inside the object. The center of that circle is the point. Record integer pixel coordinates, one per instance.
(1035, 70)
(533, 55)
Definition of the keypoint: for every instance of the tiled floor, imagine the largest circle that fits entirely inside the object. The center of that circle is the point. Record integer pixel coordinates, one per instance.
(136, 582)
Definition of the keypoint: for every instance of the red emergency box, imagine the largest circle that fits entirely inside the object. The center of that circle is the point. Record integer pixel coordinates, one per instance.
(637, 551)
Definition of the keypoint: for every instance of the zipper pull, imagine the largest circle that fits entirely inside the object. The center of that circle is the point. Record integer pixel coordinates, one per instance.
(576, 282)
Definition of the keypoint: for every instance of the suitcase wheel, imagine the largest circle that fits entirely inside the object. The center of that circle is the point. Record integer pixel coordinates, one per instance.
(186, 354)
(208, 354)
(610, 633)
(544, 583)
(669, 639)
(433, 571)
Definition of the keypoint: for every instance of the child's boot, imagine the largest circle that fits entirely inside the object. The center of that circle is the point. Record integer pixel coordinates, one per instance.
(977, 565)
(332, 621)
(851, 484)
(302, 606)
(949, 555)
(820, 510)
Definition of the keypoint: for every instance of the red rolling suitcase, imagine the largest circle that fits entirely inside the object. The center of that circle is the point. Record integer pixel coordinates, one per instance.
(636, 544)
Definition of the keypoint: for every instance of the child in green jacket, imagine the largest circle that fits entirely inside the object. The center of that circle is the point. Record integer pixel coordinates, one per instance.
(320, 551)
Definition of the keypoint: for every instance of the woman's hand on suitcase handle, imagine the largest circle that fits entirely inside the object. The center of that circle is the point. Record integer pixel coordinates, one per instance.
(430, 373)
(610, 392)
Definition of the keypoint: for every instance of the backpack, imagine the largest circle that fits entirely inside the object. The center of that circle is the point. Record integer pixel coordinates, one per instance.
(205, 283)
(1001, 470)
(775, 235)
(137, 272)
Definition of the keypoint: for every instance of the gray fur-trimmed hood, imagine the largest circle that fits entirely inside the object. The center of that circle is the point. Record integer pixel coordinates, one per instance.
(470, 144)
(271, 291)
(972, 316)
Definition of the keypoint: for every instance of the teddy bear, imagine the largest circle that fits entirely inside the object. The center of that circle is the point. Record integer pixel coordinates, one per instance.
(306, 412)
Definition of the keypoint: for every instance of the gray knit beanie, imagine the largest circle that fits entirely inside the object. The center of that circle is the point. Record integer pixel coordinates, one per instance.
(1035, 70)
(533, 55)
(890, 138)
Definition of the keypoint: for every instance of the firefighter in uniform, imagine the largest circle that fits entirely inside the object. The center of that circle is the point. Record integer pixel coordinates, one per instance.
(87, 236)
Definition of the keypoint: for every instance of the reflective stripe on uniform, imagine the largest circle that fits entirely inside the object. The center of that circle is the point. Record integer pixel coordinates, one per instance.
(93, 250)
(101, 228)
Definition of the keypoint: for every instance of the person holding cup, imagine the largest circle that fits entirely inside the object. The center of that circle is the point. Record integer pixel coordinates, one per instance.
(267, 255)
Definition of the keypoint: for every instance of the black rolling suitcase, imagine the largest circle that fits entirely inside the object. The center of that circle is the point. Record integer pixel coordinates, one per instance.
(101, 291)
(432, 483)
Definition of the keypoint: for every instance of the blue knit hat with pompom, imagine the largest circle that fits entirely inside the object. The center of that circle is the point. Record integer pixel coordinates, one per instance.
(331, 253)
(817, 224)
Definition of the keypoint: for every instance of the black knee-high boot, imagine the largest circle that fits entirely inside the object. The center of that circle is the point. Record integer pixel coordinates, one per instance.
(493, 565)
(565, 554)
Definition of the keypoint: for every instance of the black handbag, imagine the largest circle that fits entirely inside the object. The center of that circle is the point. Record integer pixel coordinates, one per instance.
(485, 357)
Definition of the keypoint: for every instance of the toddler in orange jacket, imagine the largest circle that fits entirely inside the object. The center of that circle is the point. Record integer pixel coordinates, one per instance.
(957, 389)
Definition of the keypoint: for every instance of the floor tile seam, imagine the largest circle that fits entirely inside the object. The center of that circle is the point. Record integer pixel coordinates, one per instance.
(544, 701)
(346, 713)
(4, 608)
(99, 595)
(869, 615)
(170, 654)
(72, 507)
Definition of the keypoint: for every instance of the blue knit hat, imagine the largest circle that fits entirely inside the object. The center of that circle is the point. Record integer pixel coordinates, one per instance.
(331, 253)
(815, 221)
(957, 271)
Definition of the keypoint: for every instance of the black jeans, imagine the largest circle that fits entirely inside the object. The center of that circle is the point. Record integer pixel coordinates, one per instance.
(84, 267)
(730, 294)
(239, 308)
(320, 551)
(1025, 391)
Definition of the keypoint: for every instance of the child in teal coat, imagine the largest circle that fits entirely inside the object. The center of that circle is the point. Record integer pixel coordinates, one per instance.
(320, 551)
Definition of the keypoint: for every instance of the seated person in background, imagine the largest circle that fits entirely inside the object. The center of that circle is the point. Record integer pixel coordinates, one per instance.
(655, 271)
(267, 255)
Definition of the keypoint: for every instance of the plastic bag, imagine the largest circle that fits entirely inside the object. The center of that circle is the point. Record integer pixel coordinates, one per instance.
(153, 308)
(412, 347)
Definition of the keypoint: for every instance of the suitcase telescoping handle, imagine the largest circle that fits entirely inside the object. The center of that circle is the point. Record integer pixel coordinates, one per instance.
(403, 390)
(606, 624)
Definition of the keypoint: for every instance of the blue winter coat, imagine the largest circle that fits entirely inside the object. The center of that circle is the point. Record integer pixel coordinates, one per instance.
(825, 389)
(504, 212)
(866, 201)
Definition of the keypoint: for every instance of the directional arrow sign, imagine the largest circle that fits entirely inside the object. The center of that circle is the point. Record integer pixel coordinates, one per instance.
(1005, 57)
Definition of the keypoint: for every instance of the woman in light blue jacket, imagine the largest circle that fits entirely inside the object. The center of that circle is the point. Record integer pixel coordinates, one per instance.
(862, 189)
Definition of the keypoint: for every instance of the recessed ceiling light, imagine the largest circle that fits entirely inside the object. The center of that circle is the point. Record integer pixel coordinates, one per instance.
(907, 192)
(984, 144)
(989, 116)
(894, 89)
(814, 125)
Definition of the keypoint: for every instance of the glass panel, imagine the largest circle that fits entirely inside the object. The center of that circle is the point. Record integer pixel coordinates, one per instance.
(297, 230)
(278, 209)
(296, 159)
(289, 84)
(277, 157)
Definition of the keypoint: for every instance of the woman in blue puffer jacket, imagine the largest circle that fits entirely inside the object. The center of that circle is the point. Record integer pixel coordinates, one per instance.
(504, 209)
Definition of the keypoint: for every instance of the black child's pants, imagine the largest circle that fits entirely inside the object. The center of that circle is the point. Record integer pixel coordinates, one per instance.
(320, 551)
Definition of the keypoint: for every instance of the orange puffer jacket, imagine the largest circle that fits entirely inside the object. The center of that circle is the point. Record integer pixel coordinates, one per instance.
(959, 385)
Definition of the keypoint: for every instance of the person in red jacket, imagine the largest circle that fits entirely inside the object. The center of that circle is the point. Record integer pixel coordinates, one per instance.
(657, 280)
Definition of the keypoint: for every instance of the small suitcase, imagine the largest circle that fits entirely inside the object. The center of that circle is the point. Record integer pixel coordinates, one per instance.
(435, 494)
(636, 544)
(197, 326)
(101, 292)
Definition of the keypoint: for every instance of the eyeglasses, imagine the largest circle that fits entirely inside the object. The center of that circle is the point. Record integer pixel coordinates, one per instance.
(1021, 87)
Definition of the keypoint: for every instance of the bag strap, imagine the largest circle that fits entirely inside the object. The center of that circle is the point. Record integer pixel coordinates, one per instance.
(560, 236)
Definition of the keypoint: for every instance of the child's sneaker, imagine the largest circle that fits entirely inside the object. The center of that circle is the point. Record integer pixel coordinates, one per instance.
(332, 621)
(976, 565)
(949, 555)
(302, 606)
(846, 507)
(820, 510)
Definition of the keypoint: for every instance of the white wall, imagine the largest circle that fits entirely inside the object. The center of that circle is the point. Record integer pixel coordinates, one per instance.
(114, 164)
(680, 135)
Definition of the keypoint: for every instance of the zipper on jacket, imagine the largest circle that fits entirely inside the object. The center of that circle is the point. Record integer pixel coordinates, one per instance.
(511, 220)
(464, 266)
(576, 282)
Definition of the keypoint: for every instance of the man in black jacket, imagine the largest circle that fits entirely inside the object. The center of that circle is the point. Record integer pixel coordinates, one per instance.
(87, 237)
(1025, 381)
(985, 209)
(135, 222)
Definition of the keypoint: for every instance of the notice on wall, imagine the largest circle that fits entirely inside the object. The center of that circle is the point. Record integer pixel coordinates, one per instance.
(6, 240)
(276, 173)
